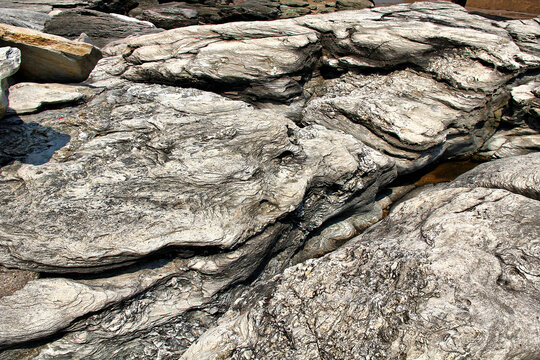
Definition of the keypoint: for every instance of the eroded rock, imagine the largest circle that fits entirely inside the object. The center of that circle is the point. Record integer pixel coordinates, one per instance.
(452, 271)
(10, 60)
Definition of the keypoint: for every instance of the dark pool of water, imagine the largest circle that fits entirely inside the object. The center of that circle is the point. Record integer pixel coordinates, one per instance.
(522, 9)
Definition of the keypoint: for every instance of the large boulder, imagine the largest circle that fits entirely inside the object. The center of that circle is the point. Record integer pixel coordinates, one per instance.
(161, 183)
(49, 58)
(10, 60)
(451, 273)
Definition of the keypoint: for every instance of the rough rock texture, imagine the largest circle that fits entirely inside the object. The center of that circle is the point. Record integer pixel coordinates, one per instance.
(50, 58)
(46, 6)
(30, 97)
(10, 60)
(519, 130)
(518, 174)
(102, 28)
(170, 15)
(228, 182)
(450, 273)
(438, 73)
(153, 208)
(23, 18)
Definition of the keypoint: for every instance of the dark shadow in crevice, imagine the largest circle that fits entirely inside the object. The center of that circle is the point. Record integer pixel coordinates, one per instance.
(28, 143)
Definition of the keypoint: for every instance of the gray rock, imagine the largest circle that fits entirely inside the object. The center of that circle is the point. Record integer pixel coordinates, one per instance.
(415, 119)
(102, 28)
(49, 58)
(518, 174)
(450, 273)
(27, 98)
(447, 101)
(23, 18)
(226, 190)
(152, 139)
(10, 60)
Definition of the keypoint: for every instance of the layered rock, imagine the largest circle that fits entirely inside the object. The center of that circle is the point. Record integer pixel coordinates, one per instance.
(437, 95)
(23, 18)
(10, 60)
(452, 272)
(100, 27)
(49, 58)
(152, 208)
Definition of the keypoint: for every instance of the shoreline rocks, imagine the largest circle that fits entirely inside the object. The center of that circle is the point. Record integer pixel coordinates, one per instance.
(49, 58)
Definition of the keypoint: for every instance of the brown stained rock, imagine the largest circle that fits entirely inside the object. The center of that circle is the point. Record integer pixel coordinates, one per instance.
(12, 280)
(50, 58)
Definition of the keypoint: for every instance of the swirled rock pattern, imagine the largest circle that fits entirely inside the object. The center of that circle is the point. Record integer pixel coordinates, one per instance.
(204, 161)
(452, 272)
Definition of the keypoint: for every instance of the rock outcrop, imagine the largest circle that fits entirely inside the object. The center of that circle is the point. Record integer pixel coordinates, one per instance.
(204, 161)
(100, 27)
(23, 18)
(10, 60)
(452, 272)
(49, 58)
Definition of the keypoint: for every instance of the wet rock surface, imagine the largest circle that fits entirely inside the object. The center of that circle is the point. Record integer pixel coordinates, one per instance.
(174, 203)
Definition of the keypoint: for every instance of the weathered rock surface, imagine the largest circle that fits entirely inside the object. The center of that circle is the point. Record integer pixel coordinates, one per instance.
(10, 60)
(152, 208)
(449, 273)
(49, 58)
(230, 186)
(519, 130)
(27, 98)
(102, 28)
(518, 174)
(170, 15)
(444, 99)
(23, 18)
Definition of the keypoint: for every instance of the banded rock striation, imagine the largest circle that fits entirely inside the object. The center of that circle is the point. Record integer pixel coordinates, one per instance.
(451, 272)
(207, 159)
(440, 75)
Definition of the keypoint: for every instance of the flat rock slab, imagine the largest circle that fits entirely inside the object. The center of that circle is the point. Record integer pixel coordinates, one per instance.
(49, 58)
(27, 98)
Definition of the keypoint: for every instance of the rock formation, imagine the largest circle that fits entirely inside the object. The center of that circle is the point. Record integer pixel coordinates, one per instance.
(196, 197)
(452, 272)
(49, 58)
(10, 60)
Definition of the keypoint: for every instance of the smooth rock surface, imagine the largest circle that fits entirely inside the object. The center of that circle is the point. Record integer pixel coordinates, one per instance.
(449, 273)
(49, 58)
(10, 60)
(27, 98)
(102, 28)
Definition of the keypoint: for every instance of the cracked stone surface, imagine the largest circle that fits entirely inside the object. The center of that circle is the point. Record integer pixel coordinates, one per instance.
(451, 272)
(207, 160)
(10, 61)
